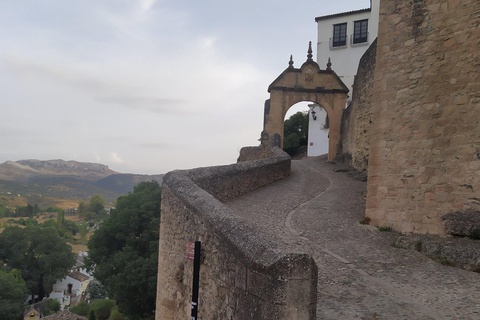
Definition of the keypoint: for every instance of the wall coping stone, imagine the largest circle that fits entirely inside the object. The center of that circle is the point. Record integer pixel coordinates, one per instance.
(240, 235)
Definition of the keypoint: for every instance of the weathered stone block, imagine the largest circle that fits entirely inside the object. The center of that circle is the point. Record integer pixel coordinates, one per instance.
(462, 223)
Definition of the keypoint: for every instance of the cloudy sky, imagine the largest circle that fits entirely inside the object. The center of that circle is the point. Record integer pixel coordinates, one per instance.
(145, 86)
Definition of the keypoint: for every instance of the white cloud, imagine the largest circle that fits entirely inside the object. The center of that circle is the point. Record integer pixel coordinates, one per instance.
(115, 158)
(207, 42)
(146, 5)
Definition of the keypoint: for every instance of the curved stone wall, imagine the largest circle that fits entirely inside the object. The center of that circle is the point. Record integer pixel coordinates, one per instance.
(243, 274)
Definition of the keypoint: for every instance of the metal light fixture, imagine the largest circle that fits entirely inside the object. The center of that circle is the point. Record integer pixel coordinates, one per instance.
(312, 108)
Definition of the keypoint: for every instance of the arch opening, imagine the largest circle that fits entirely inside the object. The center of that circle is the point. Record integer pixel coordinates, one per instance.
(308, 83)
(305, 130)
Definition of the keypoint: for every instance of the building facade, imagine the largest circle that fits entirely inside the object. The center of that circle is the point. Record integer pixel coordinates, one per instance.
(344, 38)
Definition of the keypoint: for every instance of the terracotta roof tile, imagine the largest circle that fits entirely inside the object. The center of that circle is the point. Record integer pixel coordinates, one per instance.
(64, 315)
(77, 275)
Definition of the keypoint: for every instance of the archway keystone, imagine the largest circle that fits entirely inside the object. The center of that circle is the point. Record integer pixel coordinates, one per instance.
(309, 83)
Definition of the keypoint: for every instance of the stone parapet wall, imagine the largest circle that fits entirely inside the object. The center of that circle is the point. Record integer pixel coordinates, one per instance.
(357, 118)
(243, 274)
(425, 140)
(257, 153)
(226, 182)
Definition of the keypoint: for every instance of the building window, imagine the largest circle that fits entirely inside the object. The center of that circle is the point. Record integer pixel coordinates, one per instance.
(360, 31)
(339, 35)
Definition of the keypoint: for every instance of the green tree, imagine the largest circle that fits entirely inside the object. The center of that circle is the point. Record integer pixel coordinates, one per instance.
(61, 218)
(115, 314)
(295, 132)
(5, 211)
(51, 306)
(13, 292)
(53, 209)
(97, 204)
(96, 291)
(82, 309)
(82, 207)
(30, 222)
(102, 308)
(50, 223)
(39, 253)
(83, 231)
(91, 315)
(124, 251)
(71, 226)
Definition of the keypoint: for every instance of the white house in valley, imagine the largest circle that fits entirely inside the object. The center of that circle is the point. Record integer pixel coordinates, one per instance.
(71, 290)
(344, 37)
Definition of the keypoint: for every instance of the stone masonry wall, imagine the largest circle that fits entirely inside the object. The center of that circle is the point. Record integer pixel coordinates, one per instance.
(356, 119)
(255, 153)
(243, 275)
(425, 140)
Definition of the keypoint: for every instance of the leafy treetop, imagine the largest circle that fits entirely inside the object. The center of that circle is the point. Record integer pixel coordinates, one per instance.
(13, 292)
(295, 132)
(39, 253)
(124, 251)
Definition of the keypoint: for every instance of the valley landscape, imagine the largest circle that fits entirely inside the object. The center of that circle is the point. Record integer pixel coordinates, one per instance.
(63, 183)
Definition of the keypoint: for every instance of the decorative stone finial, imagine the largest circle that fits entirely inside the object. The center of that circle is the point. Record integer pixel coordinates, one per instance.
(309, 55)
(290, 63)
(329, 64)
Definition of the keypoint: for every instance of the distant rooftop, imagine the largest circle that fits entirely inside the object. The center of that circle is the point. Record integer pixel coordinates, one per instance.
(64, 315)
(341, 14)
(78, 276)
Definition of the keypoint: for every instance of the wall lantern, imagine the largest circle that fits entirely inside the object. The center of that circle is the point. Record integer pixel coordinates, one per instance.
(312, 108)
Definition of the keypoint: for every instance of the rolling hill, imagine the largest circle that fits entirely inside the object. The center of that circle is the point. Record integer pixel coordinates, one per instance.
(37, 179)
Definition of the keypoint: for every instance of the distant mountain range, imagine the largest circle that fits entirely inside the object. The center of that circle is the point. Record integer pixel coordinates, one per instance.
(66, 179)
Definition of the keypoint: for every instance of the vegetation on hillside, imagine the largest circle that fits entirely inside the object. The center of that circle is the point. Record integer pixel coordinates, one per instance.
(102, 309)
(295, 132)
(123, 252)
(40, 191)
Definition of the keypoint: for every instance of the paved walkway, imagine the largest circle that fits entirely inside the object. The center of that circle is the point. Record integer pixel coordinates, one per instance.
(361, 275)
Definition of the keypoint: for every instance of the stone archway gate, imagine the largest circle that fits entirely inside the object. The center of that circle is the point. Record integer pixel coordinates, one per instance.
(308, 83)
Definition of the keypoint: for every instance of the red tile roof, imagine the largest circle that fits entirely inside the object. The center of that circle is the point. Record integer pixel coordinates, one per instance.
(77, 275)
(64, 315)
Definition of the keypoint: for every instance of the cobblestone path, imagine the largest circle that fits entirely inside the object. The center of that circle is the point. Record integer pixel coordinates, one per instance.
(361, 275)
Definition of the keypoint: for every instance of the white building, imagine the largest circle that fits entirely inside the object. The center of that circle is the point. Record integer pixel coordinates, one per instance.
(73, 288)
(318, 128)
(70, 290)
(344, 37)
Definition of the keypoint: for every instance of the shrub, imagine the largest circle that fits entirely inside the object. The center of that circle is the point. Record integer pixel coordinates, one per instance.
(91, 315)
(115, 314)
(365, 220)
(102, 308)
(52, 306)
(82, 309)
(387, 228)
